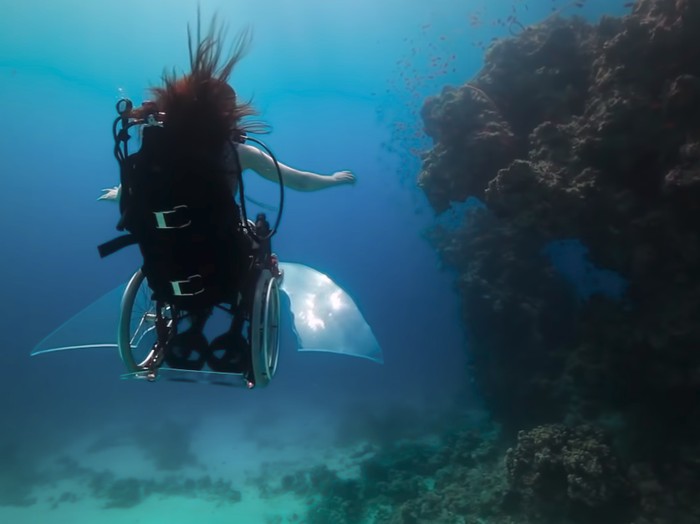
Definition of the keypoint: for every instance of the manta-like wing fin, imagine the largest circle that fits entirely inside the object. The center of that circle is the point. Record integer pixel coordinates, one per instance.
(94, 327)
(325, 317)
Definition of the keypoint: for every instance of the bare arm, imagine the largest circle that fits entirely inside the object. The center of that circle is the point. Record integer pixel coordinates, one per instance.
(111, 194)
(260, 162)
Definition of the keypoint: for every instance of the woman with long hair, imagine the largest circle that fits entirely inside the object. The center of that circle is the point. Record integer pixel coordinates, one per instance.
(179, 199)
(203, 115)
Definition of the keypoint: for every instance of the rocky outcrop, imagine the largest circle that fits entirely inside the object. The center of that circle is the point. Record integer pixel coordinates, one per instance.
(588, 132)
(572, 471)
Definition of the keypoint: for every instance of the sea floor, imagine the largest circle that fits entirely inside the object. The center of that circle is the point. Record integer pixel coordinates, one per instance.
(219, 471)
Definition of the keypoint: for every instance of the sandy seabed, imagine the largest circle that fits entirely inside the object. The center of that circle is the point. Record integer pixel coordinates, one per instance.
(112, 477)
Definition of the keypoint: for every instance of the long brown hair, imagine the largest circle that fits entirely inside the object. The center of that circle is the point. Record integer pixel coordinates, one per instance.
(202, 111)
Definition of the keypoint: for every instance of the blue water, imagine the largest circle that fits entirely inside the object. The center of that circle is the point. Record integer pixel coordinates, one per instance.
(341, 84)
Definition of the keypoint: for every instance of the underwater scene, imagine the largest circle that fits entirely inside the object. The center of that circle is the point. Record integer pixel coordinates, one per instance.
(384, 262)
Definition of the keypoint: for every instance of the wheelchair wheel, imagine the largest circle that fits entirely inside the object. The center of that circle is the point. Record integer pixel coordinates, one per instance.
(137, 335)
(264, 337)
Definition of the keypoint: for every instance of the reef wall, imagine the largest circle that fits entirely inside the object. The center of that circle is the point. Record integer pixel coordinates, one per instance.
(588, 132)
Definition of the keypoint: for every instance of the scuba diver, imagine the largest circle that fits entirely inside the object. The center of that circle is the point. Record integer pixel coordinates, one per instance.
(203, 112)
(177, 202)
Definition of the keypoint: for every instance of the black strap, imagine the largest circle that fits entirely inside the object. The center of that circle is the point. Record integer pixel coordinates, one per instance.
(114, 245)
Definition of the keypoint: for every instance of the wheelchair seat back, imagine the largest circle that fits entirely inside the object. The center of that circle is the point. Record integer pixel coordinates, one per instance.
(179, 207)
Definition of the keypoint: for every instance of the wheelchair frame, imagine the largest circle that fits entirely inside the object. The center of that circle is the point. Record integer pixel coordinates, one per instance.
(162, 318)
(263, 332)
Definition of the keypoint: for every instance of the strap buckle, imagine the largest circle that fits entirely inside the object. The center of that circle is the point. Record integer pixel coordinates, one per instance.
(187, 288)
(162, 218)
(152, 121)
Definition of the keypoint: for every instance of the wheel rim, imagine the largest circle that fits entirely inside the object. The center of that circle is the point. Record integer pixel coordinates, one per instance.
(137, 334)
(265, 328)
(270, 343)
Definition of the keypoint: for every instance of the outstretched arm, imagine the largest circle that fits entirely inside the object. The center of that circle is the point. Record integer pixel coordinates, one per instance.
(111, 194)
(260, 162)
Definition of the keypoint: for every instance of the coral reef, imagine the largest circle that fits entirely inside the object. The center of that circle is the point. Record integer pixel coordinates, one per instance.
(554, 474)
(567, 471)
(458, 478)
(591, 132)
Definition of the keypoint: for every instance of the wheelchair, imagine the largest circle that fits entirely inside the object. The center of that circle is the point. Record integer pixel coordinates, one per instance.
(147, 328)
(164, 322)
(152, 337)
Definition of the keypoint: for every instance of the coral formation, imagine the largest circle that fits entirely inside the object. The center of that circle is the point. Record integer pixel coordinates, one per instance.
(567, 471)
(587, 132)
(458, 478)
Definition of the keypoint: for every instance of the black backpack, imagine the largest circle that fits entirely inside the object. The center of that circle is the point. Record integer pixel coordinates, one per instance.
(178, 207)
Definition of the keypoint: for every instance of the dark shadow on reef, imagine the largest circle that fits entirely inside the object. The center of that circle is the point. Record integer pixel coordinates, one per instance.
(588, 132)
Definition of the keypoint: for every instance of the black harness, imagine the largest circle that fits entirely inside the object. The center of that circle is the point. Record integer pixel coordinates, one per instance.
(177, 207)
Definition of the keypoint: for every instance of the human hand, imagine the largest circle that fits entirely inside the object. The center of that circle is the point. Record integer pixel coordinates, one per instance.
(343, 177)
(111, 193)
